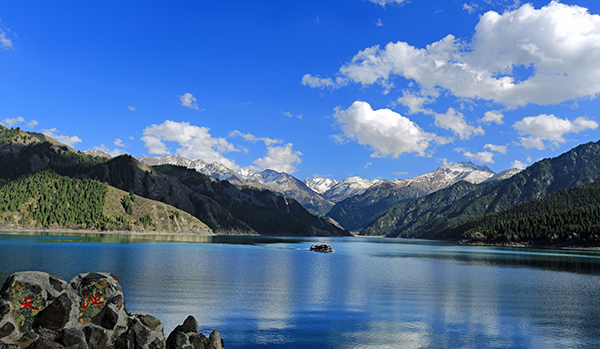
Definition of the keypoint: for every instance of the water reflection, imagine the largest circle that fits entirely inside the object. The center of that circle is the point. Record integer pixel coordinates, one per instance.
(274, 292)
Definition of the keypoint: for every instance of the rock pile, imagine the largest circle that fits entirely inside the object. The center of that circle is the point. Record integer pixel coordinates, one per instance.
(39, 310)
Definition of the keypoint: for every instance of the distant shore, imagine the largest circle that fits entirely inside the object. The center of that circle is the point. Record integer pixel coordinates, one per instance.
(110, 235)
(557, 246)
(193, 237)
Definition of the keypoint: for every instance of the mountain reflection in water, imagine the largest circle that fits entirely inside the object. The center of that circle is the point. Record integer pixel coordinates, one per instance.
(274, 292)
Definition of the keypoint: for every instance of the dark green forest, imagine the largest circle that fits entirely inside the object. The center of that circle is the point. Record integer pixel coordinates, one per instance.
(44, 199)
(566, 215)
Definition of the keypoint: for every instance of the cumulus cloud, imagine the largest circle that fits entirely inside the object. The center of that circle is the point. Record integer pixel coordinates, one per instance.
(318, 82)
(133, 108)
(456, 122)
(9, 122)
(194, 142)
(252, 138)
(484, 157)
(541, 56)
(68, 140)
(119, 143)
(549, 128)
(188, 100)
(518, 164)
(497, 148)
(280, 158)
(387, 132)
(492, 116)
(32, 124)
(415, 101)
(113, 153)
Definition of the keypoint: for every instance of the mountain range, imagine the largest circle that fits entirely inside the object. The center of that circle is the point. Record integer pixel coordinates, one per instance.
(353, 202)
(42, 185)
(552, 200)
(434, 215)
(324, 196)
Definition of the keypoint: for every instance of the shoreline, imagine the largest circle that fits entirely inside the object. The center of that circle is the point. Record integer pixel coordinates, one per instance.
(528, 245)
(194, 237)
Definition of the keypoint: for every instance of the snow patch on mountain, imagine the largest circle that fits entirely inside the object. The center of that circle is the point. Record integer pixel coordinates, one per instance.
(448, 175)
(320, 184)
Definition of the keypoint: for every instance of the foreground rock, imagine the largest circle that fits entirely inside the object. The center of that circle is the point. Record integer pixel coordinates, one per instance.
(39, 310)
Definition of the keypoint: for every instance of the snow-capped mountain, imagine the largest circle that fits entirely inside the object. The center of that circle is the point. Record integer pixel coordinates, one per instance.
(448, 175)
(337, 191)
(349, 187)
(96, 152)
(504, 174)
(357, 211)
(320, 185)
(215, 170)
(319, 195)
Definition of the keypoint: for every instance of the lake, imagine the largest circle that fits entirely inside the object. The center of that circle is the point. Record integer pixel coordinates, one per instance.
(369, 293)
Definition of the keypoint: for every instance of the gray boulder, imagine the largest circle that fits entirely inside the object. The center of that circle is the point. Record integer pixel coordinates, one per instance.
(186, 336)
(39, 310)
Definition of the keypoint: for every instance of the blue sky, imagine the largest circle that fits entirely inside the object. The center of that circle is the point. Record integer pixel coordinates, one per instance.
(378, 89)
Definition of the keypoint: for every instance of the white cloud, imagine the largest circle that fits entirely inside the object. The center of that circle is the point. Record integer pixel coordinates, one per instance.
(385, 2)
(119, 143)
(281, 159)
(415, 101)
(114, 152)
(497, 148)
(287, 113)
(12, 121)
(518, 164)
(549, 128)
(188, 100)
(484, 157)
(455, 121)
(194, 142)
(492, 116)
(32, 124)
(5, 42)
(386, 131)
(133, 108)
(68, 140)
(470, 8)
(252, 138)
(379, 22)
(318, 82)
(557, 45)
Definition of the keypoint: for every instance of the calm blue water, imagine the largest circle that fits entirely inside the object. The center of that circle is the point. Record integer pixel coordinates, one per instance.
(262, 292)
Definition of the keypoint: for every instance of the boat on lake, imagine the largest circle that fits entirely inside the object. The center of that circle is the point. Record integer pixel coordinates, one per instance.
(324, 247)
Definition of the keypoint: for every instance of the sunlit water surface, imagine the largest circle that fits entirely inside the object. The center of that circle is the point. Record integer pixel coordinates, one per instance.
(274, 292)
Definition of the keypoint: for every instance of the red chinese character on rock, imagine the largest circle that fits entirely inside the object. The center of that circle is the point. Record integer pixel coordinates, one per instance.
(94, 301)
(27, 303)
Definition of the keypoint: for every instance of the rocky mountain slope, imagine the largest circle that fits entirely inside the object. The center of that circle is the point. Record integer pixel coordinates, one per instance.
(426, 216)
(279, 182)
(357, 212)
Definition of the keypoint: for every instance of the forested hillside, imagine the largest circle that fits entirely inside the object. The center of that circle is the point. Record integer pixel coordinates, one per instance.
(567, 215)
(45, 199)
